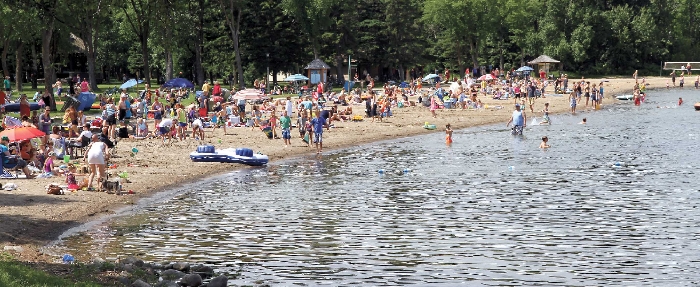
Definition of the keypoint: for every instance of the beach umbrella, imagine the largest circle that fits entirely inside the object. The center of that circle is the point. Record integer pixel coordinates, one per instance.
(128, 84)
(178, 83)
(404, 85)
(486, 77)
(22, 133)
(296, 77)
(12, 122)
(525, 69)
(249, 94)
(430, 77)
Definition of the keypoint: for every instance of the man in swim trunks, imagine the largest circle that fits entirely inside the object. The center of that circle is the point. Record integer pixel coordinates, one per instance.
(519, 120)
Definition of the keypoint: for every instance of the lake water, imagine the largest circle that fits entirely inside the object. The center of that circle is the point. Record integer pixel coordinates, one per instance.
(613, 202)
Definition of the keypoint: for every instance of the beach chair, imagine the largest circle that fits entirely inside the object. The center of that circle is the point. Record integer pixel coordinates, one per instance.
(7, 168)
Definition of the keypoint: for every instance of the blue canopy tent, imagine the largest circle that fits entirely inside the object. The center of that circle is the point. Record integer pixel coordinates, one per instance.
(525, 69)
(404, 85)
(86, 100)
(178, 83)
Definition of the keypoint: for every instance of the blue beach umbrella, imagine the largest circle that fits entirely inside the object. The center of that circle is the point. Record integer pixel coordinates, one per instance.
(296, 77)
(128, 84)
(525, 69)
(178, 83)
(430, 77)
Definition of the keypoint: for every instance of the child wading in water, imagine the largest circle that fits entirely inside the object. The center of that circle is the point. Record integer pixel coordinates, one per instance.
(544, 143)
(545, 118)
(448, 134)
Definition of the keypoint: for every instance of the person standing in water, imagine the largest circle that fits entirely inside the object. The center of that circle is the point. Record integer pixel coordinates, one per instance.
(519, 120)
(572, 101)
(544, 144)
(448, 134)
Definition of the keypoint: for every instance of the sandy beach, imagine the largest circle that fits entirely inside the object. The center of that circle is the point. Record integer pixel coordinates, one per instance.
(31, 218)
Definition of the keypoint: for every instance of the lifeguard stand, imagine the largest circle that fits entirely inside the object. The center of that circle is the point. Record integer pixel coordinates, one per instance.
(316, 71)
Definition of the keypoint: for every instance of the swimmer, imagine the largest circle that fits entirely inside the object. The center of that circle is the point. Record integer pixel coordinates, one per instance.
(583, 122)
(680, 101)
(667, 85)
(543, 144)
(448, 134)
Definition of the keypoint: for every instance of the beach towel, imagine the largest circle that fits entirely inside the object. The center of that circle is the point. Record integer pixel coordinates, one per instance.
(268, 131)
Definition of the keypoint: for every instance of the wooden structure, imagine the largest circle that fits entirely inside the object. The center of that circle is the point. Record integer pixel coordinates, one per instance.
(317, 71)
(543, 62)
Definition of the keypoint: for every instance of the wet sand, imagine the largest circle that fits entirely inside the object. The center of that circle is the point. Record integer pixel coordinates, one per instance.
(31, 218)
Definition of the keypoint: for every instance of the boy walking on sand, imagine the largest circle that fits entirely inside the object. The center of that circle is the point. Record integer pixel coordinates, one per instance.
(318, 124)
(286, 123)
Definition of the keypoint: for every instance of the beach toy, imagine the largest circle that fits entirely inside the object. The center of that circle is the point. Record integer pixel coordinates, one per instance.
(429, 127)
(219, 140)
(406, 170)
(134, 150)
(381, 171)
(511, 167)
(68, 259)
(124, 174)
(66, 158)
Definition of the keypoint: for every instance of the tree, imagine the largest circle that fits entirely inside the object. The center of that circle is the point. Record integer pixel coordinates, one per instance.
(138, 14)
(87, 19)
(313, 16)
(233, 11)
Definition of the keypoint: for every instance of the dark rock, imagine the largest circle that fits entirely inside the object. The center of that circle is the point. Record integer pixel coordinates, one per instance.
(166, 283)
(157, 266)
(128, 268)
(191, 280)
(171, 274)
(184, 267)
(167, 266)
(132, 260)
(221, 281)
(124, 280)
(203, 270)
(139, 283)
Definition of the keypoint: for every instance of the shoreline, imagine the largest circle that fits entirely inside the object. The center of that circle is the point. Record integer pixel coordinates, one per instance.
(55, 217)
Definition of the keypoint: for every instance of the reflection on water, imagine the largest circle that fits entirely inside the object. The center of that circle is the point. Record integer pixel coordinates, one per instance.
(613, 202)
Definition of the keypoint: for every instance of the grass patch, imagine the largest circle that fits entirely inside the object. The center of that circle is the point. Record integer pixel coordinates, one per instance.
(15, 274)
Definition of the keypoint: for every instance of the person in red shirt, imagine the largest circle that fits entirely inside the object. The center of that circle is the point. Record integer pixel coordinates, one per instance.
(84, 86)
(217, 89)
(2, 98)
(543, 75)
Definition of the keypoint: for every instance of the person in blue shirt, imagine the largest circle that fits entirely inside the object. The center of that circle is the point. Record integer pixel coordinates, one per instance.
(17, 162)
(518, 119)
(318, 124)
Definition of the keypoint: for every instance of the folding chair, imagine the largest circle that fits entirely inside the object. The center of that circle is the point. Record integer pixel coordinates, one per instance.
(84, 142)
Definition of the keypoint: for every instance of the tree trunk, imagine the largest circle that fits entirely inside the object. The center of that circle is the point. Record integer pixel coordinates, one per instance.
(46, 59)
(144, 55)
(235, 33)
(274, 76)
(35, 67)
(339, 66)
(18, 66)
(475, 55)
(91, 69)
(5, 48)
(168, 64)
(199, 45)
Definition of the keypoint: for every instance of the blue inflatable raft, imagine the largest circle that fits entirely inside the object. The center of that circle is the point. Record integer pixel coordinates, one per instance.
(207, 153)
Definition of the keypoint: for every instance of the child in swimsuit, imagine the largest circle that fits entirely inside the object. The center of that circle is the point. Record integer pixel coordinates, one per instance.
(70, 178)
(543, 144)
(545, 118)
(448, 134)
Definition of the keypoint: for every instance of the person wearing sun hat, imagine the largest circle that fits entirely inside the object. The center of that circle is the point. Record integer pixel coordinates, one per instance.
(9, 159)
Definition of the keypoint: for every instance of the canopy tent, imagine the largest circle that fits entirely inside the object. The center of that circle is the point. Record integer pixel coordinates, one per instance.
(178, 83)
(524, 69)
(543, 62)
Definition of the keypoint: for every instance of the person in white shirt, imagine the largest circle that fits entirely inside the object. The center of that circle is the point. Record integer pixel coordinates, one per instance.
(164, 128)
(198, 129)
(289, 107)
